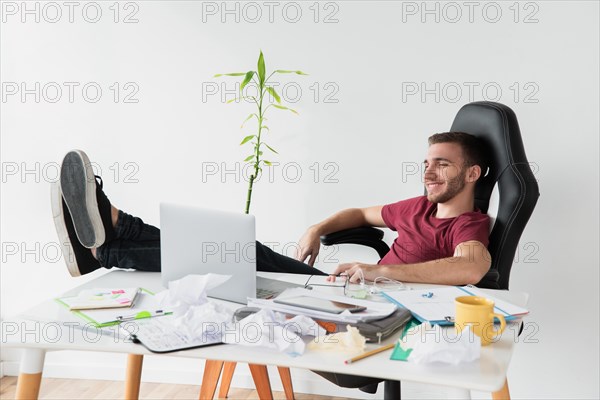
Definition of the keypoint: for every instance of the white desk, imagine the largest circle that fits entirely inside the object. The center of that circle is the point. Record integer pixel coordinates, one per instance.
(56, 327)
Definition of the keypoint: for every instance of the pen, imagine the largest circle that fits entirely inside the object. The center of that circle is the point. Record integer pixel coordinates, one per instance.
(122, 318)
(370, 353)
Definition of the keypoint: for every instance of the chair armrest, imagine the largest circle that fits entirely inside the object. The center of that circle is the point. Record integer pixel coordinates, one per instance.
(365, 236)
(490, 280)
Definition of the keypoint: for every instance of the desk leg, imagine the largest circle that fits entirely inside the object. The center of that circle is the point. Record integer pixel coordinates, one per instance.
(260, 375)
(30, 375)
(228, 370)
(133, 376)
(286, 381)
(502, 394)
(210, 379)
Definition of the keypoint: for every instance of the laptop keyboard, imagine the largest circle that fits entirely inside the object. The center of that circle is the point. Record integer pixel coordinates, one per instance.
(265, 293)
(267, 288)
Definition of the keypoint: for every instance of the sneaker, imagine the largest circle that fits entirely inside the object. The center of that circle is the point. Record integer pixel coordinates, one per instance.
(89, 207)
(79, 259)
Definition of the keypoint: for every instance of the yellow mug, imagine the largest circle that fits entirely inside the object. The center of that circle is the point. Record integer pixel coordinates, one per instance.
(478, 312)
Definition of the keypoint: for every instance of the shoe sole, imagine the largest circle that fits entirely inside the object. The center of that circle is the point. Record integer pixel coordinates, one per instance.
(78, 187)
(56, 200)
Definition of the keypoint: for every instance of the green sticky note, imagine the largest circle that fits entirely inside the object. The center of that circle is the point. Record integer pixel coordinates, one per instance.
(399, 353)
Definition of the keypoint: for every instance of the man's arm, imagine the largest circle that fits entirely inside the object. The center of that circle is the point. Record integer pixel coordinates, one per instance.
(350, 218)
(309, 244)
(468, 265)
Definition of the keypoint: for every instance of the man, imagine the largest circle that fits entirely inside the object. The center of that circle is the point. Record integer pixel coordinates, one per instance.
(441, 239)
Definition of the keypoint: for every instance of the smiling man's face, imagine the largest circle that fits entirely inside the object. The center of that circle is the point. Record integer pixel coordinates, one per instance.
(445, 172)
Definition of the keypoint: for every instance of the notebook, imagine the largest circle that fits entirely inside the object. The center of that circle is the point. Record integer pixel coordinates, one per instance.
(91, 299)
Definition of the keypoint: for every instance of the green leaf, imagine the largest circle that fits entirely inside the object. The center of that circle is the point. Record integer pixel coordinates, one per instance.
(270, 148)
(285, 108)
(250, 157)
(246, 80)
(285, 71)
(265, 127)
(267, 162)
(261, 68)
(247, 118)
(240, 99)
(247, 139)
(231, 74)
(274, 94)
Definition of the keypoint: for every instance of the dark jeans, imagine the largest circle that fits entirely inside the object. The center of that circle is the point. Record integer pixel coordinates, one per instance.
(137, 246)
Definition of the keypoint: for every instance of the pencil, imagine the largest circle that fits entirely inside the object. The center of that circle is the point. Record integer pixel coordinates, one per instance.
(370, 353)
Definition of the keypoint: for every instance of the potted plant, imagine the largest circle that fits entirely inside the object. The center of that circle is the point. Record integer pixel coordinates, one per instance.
(256, 140)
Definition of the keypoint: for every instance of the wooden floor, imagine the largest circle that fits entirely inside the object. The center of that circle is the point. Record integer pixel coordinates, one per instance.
(66, 389)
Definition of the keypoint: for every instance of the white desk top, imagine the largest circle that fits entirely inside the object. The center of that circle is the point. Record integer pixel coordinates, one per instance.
(51, 327)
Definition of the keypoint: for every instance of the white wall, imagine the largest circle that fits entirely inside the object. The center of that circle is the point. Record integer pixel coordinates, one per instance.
(370, 54)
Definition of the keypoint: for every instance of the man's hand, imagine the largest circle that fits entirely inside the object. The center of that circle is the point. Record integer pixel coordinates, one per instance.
(309, 246)
(356, 272)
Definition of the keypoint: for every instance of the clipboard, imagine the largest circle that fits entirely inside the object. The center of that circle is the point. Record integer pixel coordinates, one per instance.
(436, 306)
(159, 335)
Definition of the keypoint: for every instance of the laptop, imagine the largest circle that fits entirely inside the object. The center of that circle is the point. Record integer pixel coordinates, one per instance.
(200, 241)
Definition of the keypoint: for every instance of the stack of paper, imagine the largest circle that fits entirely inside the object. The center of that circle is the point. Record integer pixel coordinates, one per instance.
(375, 310)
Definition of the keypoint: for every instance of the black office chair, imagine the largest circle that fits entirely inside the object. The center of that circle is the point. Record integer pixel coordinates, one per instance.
(496, 125)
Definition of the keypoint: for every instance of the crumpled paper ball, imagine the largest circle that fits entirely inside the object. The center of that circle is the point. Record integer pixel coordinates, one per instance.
(349, 341)
(435, 344)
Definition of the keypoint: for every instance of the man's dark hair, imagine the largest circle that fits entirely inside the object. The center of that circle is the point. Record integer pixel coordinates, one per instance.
(472, 148)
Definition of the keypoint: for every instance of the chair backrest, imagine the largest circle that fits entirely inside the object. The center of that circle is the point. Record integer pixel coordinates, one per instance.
(496, 125)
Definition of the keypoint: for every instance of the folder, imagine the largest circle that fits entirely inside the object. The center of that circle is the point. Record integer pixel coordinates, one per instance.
(145, 307)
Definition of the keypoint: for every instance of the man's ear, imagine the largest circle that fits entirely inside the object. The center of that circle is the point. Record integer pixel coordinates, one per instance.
(473, 173)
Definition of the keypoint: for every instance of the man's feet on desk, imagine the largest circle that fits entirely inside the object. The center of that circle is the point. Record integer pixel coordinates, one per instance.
(78, 258)
(90, 209)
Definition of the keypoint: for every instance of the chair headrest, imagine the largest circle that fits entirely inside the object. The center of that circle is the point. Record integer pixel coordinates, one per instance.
(496, 126)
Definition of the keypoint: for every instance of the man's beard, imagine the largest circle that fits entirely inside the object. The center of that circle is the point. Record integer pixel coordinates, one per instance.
(453, 187)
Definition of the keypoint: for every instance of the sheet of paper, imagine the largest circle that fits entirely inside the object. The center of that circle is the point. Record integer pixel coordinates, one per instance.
(437, 307)
(437, 304)
(161, 335)
(502, 305)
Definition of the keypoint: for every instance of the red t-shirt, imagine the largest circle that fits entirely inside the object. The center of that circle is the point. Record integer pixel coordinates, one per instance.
(423, 237)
